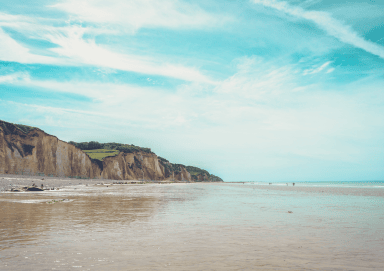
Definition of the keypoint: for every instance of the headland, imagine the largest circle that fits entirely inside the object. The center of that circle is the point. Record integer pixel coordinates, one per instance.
(29, 151)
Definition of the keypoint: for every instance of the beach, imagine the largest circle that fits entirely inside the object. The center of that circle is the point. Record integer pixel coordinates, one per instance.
(193, 226)
(344, 188)
(8, 181)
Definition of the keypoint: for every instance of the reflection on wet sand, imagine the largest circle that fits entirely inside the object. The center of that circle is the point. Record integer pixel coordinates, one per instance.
(21, 223)
(190, 227)
(28, 216)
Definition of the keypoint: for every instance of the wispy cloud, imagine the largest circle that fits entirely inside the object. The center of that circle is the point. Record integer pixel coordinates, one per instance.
(11, 50)
(263, 110)
(71, 48)
(256, 83)
(151, 107)
(259, 80)
(14, 78)
(318, 69)
(74, 47)
(135, 14)
(325, 21)
(4, 17)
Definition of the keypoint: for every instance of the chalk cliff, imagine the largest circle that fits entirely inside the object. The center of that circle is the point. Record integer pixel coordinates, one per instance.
(28, 151)
(31, 151)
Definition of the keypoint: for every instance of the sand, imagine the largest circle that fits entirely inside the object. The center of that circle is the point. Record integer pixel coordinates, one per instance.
(8, 181)
(321, 189)
(192, 227)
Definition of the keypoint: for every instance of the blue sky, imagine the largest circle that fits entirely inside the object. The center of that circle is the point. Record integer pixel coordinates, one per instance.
(251, 90)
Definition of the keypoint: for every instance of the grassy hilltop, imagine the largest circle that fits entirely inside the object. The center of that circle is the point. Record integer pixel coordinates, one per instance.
(100, 154)
(99, 151)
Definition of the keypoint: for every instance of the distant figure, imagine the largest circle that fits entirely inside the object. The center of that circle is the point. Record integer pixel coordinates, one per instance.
(42, 186)
(287, 184)
(293, 184)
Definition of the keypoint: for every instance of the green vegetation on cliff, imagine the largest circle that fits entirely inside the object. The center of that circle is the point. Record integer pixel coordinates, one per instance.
(100, 154)
(197, 174)
(200, 175)
(24, 128)
(94, 145)
(171, 167)
(8, 127)
(195, 171)
(215, 178)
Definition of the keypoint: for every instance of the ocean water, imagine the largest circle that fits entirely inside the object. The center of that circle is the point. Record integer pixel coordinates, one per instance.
(230, 226)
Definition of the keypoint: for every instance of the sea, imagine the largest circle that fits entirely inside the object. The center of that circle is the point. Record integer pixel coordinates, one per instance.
(195, 226)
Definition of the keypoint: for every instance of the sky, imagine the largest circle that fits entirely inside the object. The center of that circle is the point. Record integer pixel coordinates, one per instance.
(250, 90)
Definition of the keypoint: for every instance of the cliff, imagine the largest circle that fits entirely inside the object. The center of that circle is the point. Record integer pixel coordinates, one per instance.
(31, 151)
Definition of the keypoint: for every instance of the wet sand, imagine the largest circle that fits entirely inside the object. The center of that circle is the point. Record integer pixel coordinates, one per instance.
(191, 227)
(335, 190)
(7, 181)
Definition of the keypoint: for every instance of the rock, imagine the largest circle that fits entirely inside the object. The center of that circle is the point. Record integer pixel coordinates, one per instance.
(34, 189)
(290, 212)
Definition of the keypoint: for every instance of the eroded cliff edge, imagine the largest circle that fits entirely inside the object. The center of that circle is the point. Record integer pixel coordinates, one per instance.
(31, 151)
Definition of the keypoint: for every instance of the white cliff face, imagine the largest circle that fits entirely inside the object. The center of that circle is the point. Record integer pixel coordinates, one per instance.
(37, 153)
(139, 166)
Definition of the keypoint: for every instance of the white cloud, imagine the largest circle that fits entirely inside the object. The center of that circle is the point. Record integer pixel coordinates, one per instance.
(4, 17)
(14, 77)
(259, 80)
(325, 21)
(135, 14)
(152, 108)
(11, 50)
(73, 47)
(254, 113)
(318, 69)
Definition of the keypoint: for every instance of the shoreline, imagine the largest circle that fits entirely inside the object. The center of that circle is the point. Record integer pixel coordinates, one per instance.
(323, 190)
(9, 181)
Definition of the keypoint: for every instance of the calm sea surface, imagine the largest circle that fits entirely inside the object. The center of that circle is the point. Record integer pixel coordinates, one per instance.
(309, 226)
